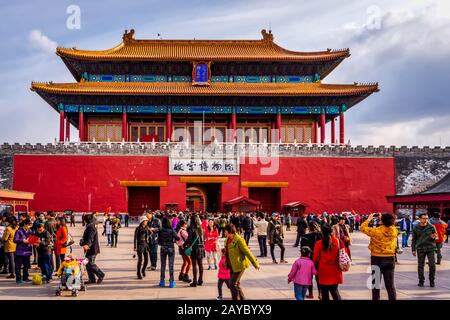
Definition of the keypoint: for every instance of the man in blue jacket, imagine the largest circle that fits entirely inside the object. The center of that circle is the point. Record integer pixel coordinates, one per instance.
(405, 228)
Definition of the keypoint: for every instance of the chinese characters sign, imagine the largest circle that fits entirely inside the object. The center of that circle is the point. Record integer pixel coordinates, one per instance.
(200, 73)
(180, 166)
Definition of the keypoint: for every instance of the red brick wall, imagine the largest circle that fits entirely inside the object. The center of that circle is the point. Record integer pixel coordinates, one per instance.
(91, 183)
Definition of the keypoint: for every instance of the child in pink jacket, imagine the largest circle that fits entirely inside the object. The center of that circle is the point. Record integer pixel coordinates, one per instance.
(223, 274)
(302, 273)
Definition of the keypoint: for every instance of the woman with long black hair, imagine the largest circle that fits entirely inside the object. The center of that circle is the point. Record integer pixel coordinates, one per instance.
(196, 242)
(326, 259)
(314, 234)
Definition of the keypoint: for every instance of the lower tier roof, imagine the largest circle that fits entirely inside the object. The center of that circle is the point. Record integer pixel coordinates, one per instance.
(214, 89)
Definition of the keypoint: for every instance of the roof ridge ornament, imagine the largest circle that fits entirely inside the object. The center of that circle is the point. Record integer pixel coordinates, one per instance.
(267, 36)
(128, 36)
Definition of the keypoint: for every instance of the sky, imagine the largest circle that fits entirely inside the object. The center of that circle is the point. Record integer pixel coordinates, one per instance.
(404, 45)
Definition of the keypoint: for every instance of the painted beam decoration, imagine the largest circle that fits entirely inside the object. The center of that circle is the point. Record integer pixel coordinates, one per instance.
(334, 110)
(199, 166)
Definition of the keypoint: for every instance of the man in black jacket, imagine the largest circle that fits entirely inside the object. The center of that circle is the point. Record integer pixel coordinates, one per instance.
(44, 252)
(89, 242)
(155, 225)
(301, 229)
(247, 227)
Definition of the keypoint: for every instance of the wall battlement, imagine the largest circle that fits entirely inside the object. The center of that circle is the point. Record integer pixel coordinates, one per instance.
(283, 150)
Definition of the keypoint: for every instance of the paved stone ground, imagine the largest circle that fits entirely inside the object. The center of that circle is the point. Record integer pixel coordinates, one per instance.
(270, 282)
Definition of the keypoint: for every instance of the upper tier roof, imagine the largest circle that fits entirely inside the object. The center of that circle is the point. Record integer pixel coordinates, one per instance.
(194, 50)
(214, 89)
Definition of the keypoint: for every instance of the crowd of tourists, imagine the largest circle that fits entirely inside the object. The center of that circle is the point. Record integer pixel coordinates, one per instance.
(222, 240)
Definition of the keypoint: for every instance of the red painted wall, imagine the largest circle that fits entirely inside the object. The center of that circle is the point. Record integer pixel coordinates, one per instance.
(91, 183)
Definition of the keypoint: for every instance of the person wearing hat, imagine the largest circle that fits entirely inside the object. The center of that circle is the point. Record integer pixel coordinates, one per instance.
(275, 236)
(141, 236)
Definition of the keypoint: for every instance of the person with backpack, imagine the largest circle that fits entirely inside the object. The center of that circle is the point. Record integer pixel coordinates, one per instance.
(62, 236)
(383, 245)
(441, 228)
(187, 262)
(167, 237)
(326, 260)
(275, 236)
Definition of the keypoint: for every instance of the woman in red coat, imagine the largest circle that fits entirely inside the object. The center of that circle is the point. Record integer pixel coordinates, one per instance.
(62, 235)
(326, 259)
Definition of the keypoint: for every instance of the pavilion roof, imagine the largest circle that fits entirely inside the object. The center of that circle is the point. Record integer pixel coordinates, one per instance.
(214, 89)
(441, 186)
(265, 49)
(16, 195)
(440, 191)
(241, 199)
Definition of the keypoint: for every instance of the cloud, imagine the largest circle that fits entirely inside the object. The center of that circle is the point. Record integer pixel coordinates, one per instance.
(408, 56)
(41, 41)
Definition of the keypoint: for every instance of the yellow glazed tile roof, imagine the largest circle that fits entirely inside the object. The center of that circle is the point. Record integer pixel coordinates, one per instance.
(197, 50)
(214, 89)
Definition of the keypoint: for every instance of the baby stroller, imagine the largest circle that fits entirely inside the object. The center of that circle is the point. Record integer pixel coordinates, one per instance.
(73, 282)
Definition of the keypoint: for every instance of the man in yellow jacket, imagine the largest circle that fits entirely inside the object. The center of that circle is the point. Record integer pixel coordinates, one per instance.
(383, 245)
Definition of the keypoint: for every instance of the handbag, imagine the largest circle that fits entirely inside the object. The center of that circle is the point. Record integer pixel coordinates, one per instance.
(69, 241)
(188, 250)
(343, 259)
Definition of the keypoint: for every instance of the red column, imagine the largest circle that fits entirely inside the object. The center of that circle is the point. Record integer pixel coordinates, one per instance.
(61, 126)
(67, 129)
(81, 126)
(233, 126)
(333, 130)
(315, 131)
(168, 126)
(278, 127)
(341, 128)
(322, 128)
(124, 127)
